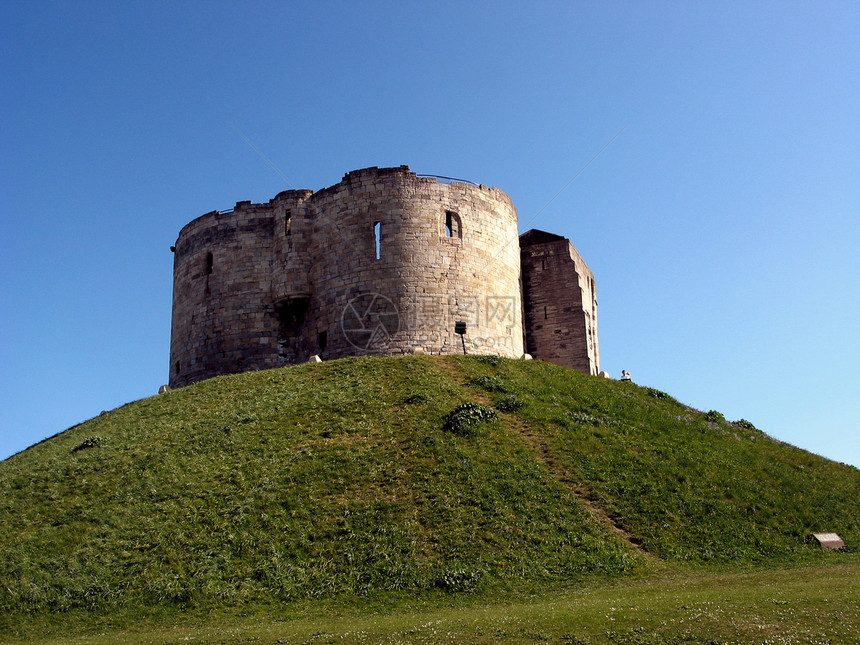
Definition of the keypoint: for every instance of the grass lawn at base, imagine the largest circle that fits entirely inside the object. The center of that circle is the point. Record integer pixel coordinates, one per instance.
(812, 604)
(423, 499)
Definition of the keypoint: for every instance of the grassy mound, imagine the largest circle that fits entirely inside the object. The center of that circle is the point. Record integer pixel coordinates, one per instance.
(350, 477)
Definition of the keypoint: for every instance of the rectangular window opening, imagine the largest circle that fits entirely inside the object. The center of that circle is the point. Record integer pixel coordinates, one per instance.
(209, 263)
(322, 340)
(377, 234)
(288, 218)
(449, 231)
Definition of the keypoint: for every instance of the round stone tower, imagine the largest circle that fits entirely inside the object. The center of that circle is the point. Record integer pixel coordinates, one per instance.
(385, 262)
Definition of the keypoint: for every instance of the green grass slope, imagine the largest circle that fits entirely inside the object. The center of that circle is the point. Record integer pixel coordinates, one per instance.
(344, 478)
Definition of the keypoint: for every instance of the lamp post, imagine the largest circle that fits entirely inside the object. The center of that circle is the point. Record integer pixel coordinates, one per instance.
(460, 328)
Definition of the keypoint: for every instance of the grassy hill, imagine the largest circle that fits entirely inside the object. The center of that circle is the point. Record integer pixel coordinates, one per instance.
(351, 477)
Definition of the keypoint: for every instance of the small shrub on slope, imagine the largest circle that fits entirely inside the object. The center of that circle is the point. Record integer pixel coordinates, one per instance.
(746, 425)
(715, 417)
(89, 442)
(466, 418)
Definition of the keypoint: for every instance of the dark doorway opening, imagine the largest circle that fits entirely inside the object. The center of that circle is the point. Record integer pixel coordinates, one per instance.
(291, 317)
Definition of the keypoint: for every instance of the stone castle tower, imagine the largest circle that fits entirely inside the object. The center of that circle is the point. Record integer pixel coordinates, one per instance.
(384, 262)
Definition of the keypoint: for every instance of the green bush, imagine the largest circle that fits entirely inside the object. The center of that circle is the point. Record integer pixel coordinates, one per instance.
(89, 442)
(466, 418)
(746, 425)
(715, 417)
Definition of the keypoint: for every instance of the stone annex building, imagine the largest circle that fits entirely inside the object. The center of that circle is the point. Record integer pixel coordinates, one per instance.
(384, 262)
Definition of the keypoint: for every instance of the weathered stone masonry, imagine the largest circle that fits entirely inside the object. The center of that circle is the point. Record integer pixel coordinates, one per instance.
(559, 302)
(382, 263)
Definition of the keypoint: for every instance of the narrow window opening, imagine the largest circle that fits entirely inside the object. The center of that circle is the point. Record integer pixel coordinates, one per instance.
(453, 225)
(287, 221)
(209, 263)
(322, 340)
(545, 314)
(542, 263)
(178, 366)
(377, 235)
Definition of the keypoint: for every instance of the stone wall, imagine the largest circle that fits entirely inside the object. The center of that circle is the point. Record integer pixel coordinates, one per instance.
(559, 303)
(383, 262)
(222, 269)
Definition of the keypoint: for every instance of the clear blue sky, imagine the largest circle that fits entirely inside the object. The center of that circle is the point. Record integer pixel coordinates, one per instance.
(722, 224)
